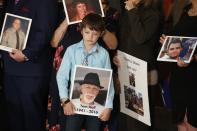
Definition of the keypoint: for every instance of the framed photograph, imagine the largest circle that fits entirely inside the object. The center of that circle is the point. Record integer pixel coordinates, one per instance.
(177, 47)
(76, 10)
(89, 89)
(134, 100)
(15, 32)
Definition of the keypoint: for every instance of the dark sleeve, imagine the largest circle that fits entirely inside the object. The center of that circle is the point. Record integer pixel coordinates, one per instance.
(111, 20)
(2, 13)
(144, 24)
(43, 25)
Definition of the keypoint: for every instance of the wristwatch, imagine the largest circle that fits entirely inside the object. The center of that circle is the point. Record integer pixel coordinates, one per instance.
(64, 101)
(25, 58)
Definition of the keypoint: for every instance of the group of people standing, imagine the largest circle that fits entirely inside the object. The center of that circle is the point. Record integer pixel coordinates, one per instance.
(28, 74)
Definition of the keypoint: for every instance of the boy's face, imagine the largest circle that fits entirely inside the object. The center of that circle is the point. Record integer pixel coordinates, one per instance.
(174, 50)
(90, 37)
(89, 93)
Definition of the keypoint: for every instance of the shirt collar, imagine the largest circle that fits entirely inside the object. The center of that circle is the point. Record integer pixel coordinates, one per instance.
(94, 49)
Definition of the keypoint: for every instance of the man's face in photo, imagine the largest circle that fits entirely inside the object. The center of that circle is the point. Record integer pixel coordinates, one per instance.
(16, 24)
(90, 36)
(174, 50)
(89, 93)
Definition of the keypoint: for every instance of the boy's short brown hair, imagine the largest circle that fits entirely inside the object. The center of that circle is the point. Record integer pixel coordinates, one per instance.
(93, 21)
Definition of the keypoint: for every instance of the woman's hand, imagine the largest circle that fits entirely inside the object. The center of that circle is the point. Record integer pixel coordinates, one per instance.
(162, 38)
(181, 63)
(131, 4)
(116, 61)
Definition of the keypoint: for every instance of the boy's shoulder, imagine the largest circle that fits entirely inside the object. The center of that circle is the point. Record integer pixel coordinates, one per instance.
(102, 49)
(74, 46)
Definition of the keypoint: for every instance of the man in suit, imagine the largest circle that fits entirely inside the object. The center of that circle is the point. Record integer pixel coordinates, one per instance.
(27, 72)
(14, 36)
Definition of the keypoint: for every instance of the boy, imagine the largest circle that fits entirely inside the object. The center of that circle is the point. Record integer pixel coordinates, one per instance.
(87, 52)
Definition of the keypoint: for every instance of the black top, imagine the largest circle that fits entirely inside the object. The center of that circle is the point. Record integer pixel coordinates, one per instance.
(185, 77)
(139, 34)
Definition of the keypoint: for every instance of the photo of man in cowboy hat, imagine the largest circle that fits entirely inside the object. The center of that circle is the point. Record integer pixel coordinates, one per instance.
(89, 90)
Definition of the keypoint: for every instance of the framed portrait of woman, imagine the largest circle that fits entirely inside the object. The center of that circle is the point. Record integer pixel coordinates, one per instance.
(76, 10)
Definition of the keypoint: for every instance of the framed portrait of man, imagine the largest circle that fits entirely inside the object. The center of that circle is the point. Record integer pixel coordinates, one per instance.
(14, 33)
(177, 47)
(89, 89)
(76, 10)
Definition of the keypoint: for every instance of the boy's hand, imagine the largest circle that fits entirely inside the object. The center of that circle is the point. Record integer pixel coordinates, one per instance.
(131, 4)
(104, 116)
(69, 109)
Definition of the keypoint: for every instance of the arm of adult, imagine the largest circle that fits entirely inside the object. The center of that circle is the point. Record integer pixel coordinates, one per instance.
(162, 38)
(116, 61)
(181, 63)
(59, 33)
(110, 40)
(17, 55)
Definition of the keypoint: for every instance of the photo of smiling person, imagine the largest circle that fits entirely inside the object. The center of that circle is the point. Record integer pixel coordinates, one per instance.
(14, 32)
(76, 10)
(177, 47)
(89, 89)
(174, 49)
(81, 10)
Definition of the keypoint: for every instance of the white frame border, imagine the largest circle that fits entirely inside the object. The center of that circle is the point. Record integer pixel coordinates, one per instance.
(9, 49)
